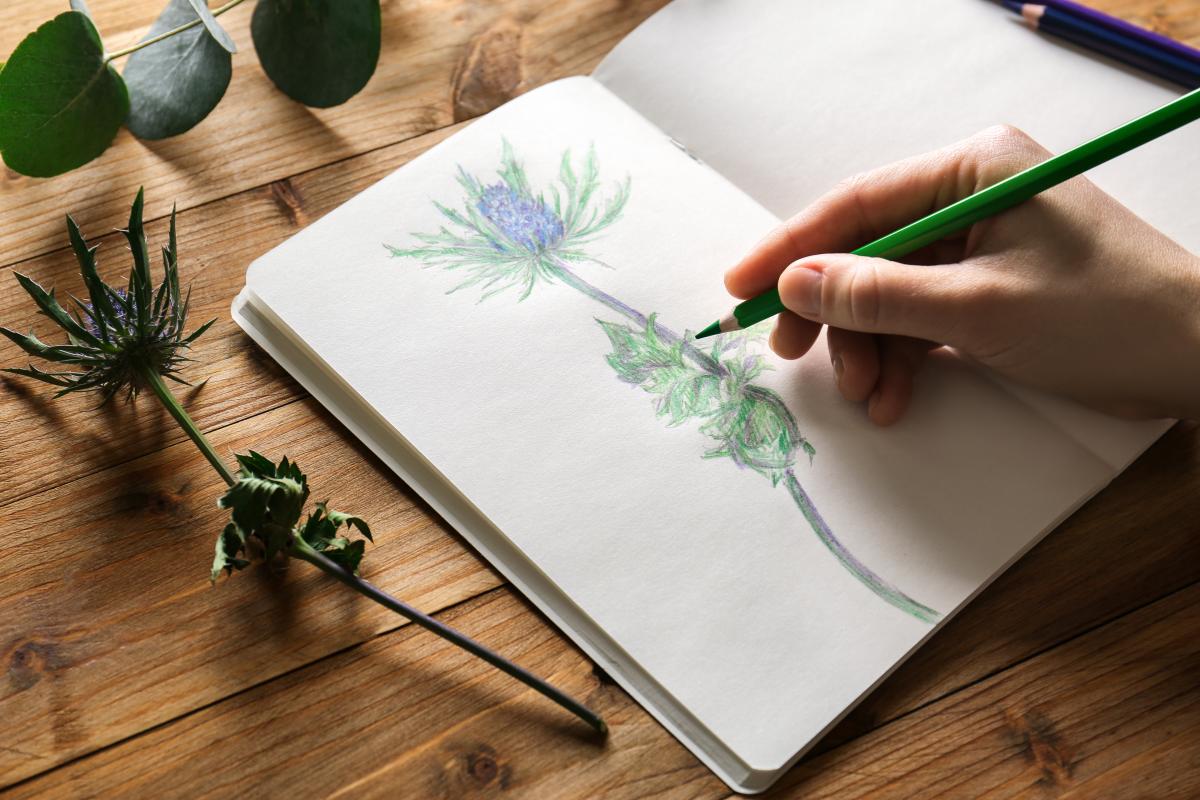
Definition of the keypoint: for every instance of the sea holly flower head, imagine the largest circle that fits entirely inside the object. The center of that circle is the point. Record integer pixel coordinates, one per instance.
(507, 236)
(119, 337)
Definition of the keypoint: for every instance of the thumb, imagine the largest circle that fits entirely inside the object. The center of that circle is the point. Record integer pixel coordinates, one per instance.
(874, 295)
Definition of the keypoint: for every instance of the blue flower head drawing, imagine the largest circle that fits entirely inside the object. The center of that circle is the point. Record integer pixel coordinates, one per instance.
(525, 221)
(506, 236)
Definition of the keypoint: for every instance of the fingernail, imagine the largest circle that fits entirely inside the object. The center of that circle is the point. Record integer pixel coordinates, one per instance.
(873, 401)
(838, 368)
(804, 290)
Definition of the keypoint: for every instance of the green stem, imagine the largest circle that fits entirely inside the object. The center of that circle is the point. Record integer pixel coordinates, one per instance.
(168, 34)
(159, 387)
(304, 551)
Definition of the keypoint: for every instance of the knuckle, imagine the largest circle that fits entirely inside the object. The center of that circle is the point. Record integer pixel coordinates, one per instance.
(853, 185)
(863, 300)
(1002, 150)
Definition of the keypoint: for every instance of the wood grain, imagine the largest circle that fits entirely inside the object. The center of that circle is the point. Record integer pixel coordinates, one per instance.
(125, 673)
(1086, 719)
(108, 623)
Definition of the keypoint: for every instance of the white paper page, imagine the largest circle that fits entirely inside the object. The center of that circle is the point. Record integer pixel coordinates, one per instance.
(787, 97)
(706, 574)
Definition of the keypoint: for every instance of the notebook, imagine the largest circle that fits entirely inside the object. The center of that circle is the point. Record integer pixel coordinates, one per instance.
(738, 547)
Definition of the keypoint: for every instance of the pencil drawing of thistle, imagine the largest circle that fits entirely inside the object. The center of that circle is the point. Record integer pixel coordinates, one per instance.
(507, 237)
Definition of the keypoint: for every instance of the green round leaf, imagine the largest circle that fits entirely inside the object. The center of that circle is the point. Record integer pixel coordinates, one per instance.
(220, 34)
(319, 52)
(60, 103)
(175, 83)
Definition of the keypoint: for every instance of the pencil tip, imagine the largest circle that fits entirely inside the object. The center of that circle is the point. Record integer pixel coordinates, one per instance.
(711, 330)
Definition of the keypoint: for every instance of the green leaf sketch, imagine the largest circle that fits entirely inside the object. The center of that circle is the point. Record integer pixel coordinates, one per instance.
(505, 236)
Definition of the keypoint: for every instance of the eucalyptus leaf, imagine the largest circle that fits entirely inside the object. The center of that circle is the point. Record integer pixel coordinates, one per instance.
(212, 26)
(318, 52)
(175, 83)
(61, 104)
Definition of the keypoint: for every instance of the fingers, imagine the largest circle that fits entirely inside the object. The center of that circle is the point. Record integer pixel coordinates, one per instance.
(899, 361)
(877, 370)
(793, 336)
(872, 295)
(854, 213)
(875, 203)
(855, 358)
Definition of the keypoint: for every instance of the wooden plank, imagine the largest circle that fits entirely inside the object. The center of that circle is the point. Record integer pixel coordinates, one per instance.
(1132, 543)
(108, 624)
(407, 715)
(1085, 718)
(441, 62)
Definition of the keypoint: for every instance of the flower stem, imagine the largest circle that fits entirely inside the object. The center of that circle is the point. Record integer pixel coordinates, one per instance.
(855, 567)
(302, 550)
(704, 360)
(168, 34)
(159, 387)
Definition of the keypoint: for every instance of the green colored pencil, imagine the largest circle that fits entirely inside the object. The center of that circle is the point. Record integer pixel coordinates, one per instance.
(992, 200)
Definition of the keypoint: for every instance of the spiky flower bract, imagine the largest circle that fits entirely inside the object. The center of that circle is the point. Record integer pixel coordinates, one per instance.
(265, 505)
(120, 337)
(507, 237)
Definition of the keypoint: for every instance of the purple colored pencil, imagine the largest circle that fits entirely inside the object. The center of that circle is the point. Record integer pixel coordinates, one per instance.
(1128, 28)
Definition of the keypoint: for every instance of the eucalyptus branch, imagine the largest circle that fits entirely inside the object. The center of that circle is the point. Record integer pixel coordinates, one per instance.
(168, 34)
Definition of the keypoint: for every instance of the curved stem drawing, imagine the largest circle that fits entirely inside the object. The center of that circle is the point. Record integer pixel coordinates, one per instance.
(859, 570)
(702, 359)
(855, 567)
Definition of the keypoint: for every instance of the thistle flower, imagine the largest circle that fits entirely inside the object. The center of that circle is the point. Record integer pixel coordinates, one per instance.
(128, 339)
(121, 340)
(507, 237)
(525, 221)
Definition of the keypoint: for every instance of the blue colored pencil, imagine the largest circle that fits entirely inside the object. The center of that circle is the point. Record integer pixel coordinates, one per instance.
(1165, 43)
(1109, 42)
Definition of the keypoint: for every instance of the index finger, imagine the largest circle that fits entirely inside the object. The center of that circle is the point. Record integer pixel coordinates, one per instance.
(858, 211)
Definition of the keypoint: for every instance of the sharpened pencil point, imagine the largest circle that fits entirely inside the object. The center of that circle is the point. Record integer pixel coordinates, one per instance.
(711, 330)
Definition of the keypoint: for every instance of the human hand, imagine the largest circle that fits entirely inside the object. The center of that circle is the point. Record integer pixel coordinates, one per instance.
(1069, 292)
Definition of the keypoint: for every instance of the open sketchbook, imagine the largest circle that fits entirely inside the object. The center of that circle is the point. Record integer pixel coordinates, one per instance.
(738, 547)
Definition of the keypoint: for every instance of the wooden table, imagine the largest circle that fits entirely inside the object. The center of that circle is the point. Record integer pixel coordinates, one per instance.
(1076, 674)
